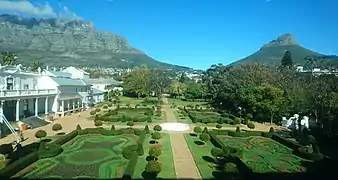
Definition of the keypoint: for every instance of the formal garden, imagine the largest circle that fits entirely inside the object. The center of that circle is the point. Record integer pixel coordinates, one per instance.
(219, 153)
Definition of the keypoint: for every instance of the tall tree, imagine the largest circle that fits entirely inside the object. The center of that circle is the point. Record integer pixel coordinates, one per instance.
(159, 81)
(287, 60)
(137, 81)
(193, 91)
(8, 58)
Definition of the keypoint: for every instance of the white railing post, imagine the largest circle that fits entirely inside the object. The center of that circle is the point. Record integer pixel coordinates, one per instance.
(17, 110)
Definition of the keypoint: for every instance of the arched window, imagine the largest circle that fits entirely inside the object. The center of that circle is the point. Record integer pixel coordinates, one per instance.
(9, 83)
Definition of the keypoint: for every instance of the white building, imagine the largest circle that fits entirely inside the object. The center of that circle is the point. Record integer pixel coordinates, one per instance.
(98, 87)
(76, 73)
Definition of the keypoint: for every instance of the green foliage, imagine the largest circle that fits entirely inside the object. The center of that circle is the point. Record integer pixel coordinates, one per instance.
(217, 152)
(130, 123)
(129, 150)
(197, 130)
(238, 129)
(105, 107)
(78, 127)
(231, 168)
(286, 61)
(98, 123)
(155, 151)
(251, 125)
(112, 127)
(237, 120)
(205, 130)
(218, 126)
(153, 167)
(271, 130)
(97, 109)
(93, 112)
(156, 136)
(40, 134)
(157, 128)
(204, 137)
(146, 129)
(248, 116)
(193, 91)
(225, 114)
(57, 127)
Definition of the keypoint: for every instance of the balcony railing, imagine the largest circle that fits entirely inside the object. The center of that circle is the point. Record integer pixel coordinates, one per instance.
(29, 92)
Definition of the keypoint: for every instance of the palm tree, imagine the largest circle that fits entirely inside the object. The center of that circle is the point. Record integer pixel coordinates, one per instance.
(8, 58)
(36, 65)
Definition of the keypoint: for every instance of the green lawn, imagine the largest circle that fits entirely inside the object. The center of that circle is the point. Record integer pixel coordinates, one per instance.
(180, 102)
(200, 153)
(182, 119)
(168, 168)
(129, 100)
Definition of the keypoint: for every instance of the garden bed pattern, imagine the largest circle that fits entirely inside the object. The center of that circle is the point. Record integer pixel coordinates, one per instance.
(87, 157)
(265, 155)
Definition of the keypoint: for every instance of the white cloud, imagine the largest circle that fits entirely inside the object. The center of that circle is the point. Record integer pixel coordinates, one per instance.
(45, 10)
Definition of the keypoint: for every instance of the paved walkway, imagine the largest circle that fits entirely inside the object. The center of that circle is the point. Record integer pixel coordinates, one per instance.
(185, 166)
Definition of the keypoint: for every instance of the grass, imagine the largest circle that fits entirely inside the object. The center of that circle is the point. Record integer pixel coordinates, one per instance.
(180, 102)
(162, 118)
(168, 168)
(199, 152)
(130, 100)
(92, 157)
(180, 119)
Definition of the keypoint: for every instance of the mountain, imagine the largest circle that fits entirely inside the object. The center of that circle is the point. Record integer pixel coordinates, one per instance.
(271, 54)
(62, 42)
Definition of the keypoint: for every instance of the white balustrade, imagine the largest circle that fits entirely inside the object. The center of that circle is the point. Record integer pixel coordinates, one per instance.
(30, 92)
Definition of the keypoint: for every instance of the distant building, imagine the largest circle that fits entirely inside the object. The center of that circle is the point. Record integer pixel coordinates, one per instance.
(76, 73)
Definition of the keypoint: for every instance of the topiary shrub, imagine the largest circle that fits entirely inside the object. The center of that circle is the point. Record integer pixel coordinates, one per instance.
(92, 112)
(217, 152)
(129, 150)
(112, 127)
(57, 127)
(225, 114)
(155, 151)
(78, 127)
(110, 105)
(156, 136)
(248, 116)
(98, 123)
(251, 125)
(157, 128)
(130, 123)
(97, 109)
(238, 129)
(153, 167)
(197, 130)
(146, 129)
(271, 130)
(40, 134)
(230, 168)
(205, 130)
(105, 107)
(237, 120)
(204, 137)
(218, 126)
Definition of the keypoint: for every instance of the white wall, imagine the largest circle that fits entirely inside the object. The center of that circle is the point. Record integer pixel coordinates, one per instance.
(19, 80)
(100, 87)
(45, 82)
(76, 73)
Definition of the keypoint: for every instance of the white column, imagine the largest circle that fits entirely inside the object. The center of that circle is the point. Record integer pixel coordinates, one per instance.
(36, 106)
(68, 106)
(73, 105)
(17, 110)
(46, 105)
(63, 108)
(78, 104)
(1, 111)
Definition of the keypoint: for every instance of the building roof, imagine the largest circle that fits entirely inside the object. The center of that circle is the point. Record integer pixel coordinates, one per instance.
(58, 73)
(69, 96)
(96, 91)
(84, 72)
(68, 81)
(103, 81)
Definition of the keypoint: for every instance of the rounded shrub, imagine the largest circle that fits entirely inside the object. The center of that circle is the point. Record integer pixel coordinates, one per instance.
(146, 129)
(97, 109)
(129, 150)
(238, 129)
(153, 167)
(237, 120)
(56, 127)
(230, 167)
(157, 128)
(105, 107)
(248, 116)
(98, 123)
(156, 136)
(225, 114)
(92, 113)
(232, 152)
(197, 130)
(251, 125)
(110, 105)
(218, 126)
(271, 130)
(40, 134)
(204, 137)
(155, 151)
(205, 130)
(217, 152)
(130, 123)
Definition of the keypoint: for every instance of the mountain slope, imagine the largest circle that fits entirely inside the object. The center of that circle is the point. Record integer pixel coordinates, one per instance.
(60, 42)
(272, 53)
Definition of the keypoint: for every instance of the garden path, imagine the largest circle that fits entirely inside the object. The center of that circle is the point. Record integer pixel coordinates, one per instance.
(185, 166)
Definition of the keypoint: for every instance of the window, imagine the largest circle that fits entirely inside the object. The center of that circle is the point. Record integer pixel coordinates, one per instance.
(10, 82)
(25, 86)
(25, 105)
(75, 89)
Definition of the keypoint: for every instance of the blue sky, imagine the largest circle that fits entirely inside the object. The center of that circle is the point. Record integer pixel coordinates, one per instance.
(198, 33)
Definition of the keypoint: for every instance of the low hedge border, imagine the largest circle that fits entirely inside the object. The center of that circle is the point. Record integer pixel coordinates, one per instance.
(47, 150)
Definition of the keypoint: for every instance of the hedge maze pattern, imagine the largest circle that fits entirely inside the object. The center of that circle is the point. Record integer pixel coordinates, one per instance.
(88, 157)
(264, 155)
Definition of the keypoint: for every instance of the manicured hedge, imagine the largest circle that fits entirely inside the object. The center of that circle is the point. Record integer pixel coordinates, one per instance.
(291, 144)
(214, 140)
(19, 165)
(129, 171)
(67, 137)
(304, 153)
(49, 150)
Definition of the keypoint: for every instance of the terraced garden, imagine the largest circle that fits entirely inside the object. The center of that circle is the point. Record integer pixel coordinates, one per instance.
(91, 156)
(264, 155)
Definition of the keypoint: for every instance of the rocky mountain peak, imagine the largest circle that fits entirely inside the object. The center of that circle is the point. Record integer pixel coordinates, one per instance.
(285, 39)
